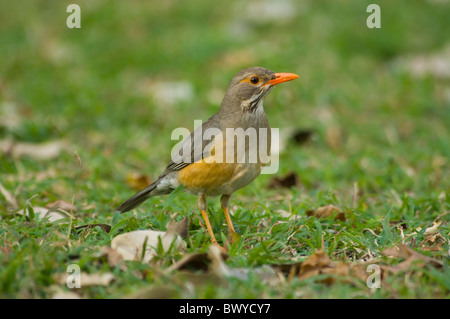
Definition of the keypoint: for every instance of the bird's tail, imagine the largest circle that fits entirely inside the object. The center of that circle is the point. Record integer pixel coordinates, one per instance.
(137, 199)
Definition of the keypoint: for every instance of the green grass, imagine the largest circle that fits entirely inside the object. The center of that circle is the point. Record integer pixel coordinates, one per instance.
(376, 126)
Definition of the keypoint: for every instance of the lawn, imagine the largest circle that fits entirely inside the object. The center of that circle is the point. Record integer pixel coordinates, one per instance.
(86, 117)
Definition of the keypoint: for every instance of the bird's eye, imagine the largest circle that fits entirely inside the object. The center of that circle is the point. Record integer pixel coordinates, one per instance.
(254, 80)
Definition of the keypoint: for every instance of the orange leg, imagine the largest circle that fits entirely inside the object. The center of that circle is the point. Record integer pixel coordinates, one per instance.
(208, 227)
(224, 202)
(202, 206)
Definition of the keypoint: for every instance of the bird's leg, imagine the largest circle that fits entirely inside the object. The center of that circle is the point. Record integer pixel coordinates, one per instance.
(202, 207)
(224, 202)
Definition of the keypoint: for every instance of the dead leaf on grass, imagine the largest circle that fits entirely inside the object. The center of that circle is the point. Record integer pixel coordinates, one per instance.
(288, 181)
(314, 265)
(39, 151)
(193, 261)
(59, 293)
(96, 279)
(433, 242)
(433, 229)
(410, 257)
(333, 137)
(44, 212)
(61, 205)
(159, 292)
(213, 266)
(10, 199)
(140, 245)
(219, 268)
(326, 211)
(113, 257)
(320, 264)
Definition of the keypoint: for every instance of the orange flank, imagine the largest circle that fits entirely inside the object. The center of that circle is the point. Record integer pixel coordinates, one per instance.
(205, 177)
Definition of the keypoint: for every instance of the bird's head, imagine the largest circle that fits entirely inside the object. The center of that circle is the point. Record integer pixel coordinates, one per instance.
(249, 86)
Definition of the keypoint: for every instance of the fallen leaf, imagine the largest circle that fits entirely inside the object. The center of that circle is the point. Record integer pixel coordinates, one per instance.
(180, 228)
(288, 181)
(433, 229)
(326, 211)
(39, 151)
(219, 268)
(159, 292)
(113, 257)
(432, 240)
(44, 212)
(96, 279)
(140, 245)
(10, 199)
(59, 293)
(333, 137)
(314, 265)
(166, 93)
(410, 256)
(436, 64)
(300, 137)
(270, 11)
(61, 205)
(194, 261)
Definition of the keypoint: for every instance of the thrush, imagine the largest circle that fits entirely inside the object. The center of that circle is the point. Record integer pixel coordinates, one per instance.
(212, 161)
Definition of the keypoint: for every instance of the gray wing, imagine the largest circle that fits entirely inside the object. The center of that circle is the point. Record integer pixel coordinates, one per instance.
(192, 148)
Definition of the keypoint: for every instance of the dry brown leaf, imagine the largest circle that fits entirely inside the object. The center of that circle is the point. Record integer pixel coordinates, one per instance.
(214, 268)
(288, 181)
(41, 151)
(137, 181)
(194, 261)
(180, 228)
(432, 242)
(113, 257)
(314, 265)
(326, 211)
(140, 245)
(410, 256)
(436, 64)
(319, 263)
(219, 268)
(61, 205)
(59, 293)
(10, 199)
(334, 137)
(198, 278)
(300, 137)
(433, 229)
(97, 279)
(159, 292)
(45, 212)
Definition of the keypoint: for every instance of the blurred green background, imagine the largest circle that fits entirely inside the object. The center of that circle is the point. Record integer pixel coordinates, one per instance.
(375, 102)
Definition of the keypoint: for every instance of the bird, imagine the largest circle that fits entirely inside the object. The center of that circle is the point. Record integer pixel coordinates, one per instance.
(221, 164)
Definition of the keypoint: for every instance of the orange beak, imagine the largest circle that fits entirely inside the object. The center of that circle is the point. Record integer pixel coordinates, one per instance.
(282, 77)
